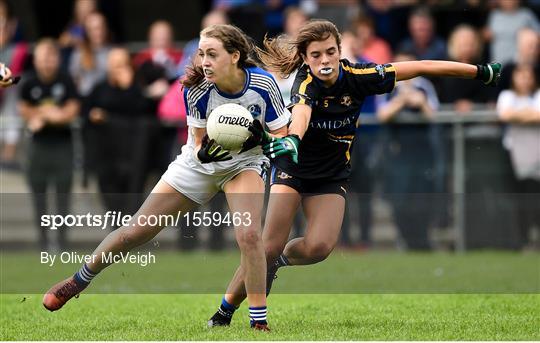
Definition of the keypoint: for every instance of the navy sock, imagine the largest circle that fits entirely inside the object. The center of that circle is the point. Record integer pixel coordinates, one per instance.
(84, 275)
(257, 315)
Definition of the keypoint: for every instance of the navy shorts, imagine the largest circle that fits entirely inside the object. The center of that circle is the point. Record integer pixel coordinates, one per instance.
(308, 187)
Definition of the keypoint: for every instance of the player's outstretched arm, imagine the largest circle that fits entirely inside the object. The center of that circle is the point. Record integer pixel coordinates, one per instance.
(489, 73)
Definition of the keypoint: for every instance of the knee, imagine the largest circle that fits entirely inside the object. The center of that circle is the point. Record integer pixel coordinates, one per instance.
(319, 251)
(250, 239)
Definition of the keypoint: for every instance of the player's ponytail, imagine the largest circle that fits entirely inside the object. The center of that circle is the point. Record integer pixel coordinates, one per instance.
(194, 74)
(284, 55)
(280, 55)
(233, 39)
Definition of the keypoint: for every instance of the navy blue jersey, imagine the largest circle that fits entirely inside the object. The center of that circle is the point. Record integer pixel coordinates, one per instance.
(325, 149)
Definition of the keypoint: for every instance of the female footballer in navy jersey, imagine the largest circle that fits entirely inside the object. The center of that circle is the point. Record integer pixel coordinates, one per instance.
(223, 73)
(311, 165)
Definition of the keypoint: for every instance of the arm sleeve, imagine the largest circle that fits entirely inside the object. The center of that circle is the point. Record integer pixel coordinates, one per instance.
(24, 93)
(71, 90)
(194, 116)
(371, 78)
(305, 90)
(277, 115)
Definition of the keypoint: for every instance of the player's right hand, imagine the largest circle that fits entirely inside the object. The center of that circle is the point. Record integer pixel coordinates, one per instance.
(211, 151)
(287, 145)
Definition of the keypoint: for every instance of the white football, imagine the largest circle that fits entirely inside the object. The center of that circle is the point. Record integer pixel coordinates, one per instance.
(228, 126)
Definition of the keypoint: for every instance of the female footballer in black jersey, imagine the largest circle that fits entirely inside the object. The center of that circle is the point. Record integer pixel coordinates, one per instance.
(311, 165)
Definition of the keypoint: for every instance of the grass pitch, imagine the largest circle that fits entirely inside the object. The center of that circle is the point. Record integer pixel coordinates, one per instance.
(349, 305)
(292, 317)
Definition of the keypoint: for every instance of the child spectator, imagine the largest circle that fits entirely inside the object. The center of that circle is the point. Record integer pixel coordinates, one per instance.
(520, 108)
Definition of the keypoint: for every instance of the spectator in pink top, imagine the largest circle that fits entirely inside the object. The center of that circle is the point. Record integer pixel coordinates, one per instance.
(368, 46)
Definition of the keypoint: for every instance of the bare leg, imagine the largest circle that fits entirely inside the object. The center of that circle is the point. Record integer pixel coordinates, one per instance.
(163, 200)
(245, 194)
(282, 207)
(324, 214)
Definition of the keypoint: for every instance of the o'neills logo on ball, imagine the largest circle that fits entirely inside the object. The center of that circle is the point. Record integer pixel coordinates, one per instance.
(223, 119)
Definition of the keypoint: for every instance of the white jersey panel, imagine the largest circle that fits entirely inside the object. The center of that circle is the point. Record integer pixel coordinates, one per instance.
(260, 96)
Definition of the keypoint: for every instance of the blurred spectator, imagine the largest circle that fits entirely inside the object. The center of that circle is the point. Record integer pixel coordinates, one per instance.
(248, 15)
(216, 17)
(527, 54)
(465, 46)
(49, 105)
(294, 20)
(14, 56)
(172, 109)
(520, 108)
(275, 16)
(423, 43)
(88, 62)
(155, 69)
(503, 26)
(389, 17)
(156, 65)
(410, 157)
(369, 47)
(364, 47)
(73, 36)
(339, 12)
(120, 130)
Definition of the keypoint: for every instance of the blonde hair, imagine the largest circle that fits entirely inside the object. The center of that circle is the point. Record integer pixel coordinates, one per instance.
(284, 54)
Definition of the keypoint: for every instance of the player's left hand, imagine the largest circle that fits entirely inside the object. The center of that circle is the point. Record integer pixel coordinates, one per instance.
(258, 136)
(287, 145)
(489, 73)
(211, 151)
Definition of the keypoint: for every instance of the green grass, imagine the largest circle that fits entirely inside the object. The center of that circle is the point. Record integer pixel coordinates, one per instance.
(343, 272)
(292, 317)
(373, 296)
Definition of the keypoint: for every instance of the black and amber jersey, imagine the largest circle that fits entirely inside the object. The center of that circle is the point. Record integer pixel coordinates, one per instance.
(325, 149)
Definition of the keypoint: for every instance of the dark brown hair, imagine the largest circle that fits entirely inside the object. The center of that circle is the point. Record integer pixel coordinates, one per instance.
(284, 55)
(233, 40)
(88, 61)
(521, 68)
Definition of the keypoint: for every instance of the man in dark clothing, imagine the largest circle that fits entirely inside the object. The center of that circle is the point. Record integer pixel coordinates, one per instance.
(49, 105)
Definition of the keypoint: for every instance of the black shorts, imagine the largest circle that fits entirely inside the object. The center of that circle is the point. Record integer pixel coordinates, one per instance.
(308, 187)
